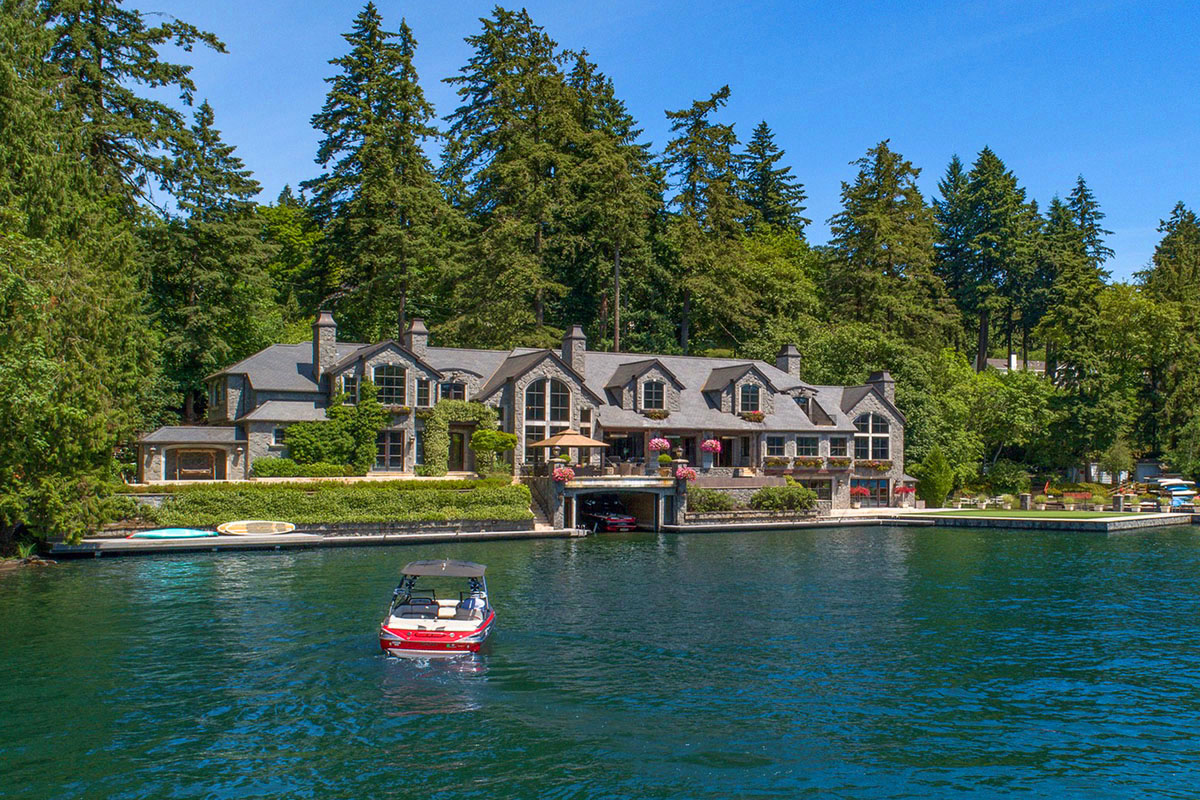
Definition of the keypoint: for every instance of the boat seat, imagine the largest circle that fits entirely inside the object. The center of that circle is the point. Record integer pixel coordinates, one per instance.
(416, 612)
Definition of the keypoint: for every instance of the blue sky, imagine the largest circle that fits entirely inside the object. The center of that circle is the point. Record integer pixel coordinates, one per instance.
(1103, 89)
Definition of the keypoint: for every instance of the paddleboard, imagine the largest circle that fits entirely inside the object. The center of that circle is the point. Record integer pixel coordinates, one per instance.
(255, 527)
(171, 533)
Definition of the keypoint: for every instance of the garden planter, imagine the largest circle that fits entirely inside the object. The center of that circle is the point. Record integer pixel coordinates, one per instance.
(1040, 506)
(855, 504)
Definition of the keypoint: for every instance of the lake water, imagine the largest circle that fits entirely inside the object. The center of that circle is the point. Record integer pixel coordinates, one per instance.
(832, 663)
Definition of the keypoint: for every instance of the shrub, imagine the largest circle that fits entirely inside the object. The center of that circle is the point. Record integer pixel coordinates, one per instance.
(701, 500)
(437, 429)
(347, 437)
(664, 460)
(1008, 477)
(937, 478)
(1041, 498)
(1099, 499)
(404, 501)
(784, 498)
(271, 467)
(1009, 501)
(488, 444)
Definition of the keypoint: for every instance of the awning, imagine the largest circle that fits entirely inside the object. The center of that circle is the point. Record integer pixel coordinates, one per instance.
(444, 567)
(568, 438)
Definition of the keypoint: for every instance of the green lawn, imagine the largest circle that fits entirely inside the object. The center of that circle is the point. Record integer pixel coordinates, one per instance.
(988, 512)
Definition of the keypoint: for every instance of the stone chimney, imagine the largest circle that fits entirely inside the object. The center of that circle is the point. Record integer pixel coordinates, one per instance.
(324, 344)
(884, 382)
(416, 338)
(573, 347)
(788, 361)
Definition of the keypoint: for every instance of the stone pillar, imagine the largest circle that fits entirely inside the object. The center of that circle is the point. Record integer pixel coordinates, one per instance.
(1118, 502)
(1026, 501)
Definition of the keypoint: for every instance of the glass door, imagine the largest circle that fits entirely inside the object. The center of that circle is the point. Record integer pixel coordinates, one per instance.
(389, 451)
(458, 452)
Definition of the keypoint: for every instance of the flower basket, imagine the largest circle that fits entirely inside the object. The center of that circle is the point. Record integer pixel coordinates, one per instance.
(840, 462)
(402, 411)
(877, 466)
(658, 445)
(808, 462)
(685, 474)
(775, 464)
(753, 416)
(656, 413)
(564, 474)
(711, 446)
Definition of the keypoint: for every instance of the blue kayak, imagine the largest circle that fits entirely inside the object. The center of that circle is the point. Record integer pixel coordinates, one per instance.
(172, 533)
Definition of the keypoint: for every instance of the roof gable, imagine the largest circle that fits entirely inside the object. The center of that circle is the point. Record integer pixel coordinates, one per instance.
(853, 395)
(364, 353)
(721, 377)
(635, 369)
(518, 364)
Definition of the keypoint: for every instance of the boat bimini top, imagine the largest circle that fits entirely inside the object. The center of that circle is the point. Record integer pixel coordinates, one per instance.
(443, 568)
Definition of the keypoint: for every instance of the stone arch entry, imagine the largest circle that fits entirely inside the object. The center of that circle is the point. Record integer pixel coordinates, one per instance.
(195, 464)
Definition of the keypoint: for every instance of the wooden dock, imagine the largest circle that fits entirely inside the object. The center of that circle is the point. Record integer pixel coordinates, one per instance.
(99, 547)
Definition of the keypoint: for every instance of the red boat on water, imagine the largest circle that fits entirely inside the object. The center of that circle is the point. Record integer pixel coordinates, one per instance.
(421, 624)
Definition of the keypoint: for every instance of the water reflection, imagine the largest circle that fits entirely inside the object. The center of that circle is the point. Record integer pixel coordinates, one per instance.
(426, 686)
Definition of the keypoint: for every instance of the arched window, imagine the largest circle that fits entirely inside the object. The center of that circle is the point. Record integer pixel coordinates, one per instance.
(872, 440)
(654, 395)
(547, 411)
(749, 398)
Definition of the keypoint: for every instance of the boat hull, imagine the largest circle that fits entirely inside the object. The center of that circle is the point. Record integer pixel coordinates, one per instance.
(405, 643)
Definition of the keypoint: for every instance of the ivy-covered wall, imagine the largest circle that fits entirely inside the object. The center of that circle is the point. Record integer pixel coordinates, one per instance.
(437, 430)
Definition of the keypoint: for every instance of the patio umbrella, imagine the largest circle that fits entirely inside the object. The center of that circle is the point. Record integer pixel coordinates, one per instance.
(568, 438)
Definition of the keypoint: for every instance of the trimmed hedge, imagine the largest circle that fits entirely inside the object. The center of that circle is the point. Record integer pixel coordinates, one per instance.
(701, 500)
(206, 506)
(271, 467)
(784, 498)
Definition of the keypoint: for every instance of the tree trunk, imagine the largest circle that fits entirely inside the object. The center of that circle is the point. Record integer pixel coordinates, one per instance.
(982, 350)
(683, 325)
(617, 299)
(189, 407)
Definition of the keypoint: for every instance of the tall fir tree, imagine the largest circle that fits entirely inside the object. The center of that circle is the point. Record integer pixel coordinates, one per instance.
(1086, 213)
(105, 54)
(378, 202)
(1173, 279)
(514, 152)
(617, 192)
(709, 210)
(1000, 230)
(952, 244)
(882, 250)
(775, 195)
(209, 286)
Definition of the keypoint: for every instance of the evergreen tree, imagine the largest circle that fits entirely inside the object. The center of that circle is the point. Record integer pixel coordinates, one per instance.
(514, 153)
(105, 54)
(617, 194)
(289, 230)
(952, 244)
(774, 194)
(208, 281)
(709, 211)
(1086, 213)
(1000, 233)
(882, 251)
(1173, 279)
(378, 202)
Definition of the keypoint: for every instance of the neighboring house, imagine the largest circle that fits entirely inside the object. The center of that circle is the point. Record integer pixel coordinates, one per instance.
(1014, 364)
(828, 437)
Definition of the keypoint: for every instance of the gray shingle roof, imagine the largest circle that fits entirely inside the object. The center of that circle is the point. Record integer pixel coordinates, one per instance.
(192, 434)
(480, 362)
(283, 367)
(285, 411)
(635, 369)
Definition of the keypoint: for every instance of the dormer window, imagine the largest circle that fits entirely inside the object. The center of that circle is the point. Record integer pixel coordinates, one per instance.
(653, 395)
(454, 390)
(390, 380)
(749, 398)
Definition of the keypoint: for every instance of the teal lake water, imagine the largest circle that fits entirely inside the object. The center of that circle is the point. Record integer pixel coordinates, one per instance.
(834, 663)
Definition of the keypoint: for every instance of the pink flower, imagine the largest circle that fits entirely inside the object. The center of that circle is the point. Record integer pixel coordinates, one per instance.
(711, 445)
(685, 474)
(860, 491)
(564, 474)
(658, 444)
